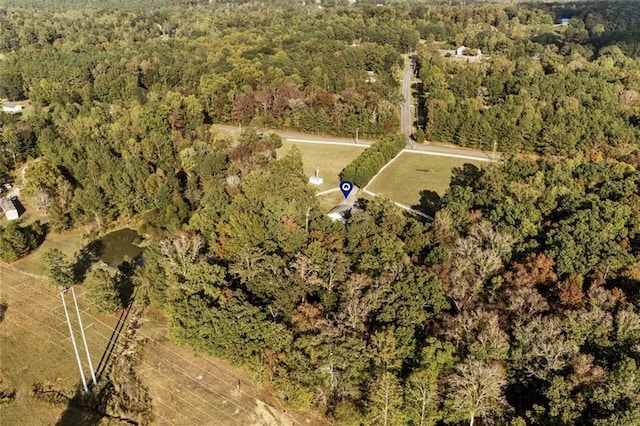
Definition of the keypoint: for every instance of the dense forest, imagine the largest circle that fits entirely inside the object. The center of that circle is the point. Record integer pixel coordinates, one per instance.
(518, 304)
(547, 89)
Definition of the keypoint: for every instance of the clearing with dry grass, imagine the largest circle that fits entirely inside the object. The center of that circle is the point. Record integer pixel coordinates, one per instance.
(185, 389)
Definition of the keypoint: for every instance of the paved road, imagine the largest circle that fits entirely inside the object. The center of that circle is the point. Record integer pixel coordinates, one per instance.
(438, 150)
(406, 117)
(406, 128)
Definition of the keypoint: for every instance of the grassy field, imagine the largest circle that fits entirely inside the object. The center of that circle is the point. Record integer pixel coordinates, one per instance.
(185, 389)
(36, 346)
(331, 159)
(411, 173)
(330, 200)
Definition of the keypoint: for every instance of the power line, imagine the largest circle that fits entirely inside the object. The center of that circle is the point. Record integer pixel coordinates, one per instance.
(166, 377)
(75, 347)
(202, 369)
(223, 371)
(182, 372)
(48, 338)
(84, 339)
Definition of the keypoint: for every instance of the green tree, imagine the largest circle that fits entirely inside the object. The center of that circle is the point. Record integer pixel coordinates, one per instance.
(16, 241)
(385, 401)
(59, 268)
(103, 291)
(422, 396)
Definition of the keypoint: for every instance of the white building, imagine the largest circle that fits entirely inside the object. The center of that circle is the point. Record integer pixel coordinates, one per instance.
(339, 212)
(11, 108)
(10, 209)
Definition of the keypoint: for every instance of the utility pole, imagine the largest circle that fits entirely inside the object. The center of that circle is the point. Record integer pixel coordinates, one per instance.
(357, 128)
(73, 340)
(495, 146)
(84, 338)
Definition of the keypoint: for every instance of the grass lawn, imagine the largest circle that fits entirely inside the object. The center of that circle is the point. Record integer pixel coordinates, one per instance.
(330, 200)
(331, 159)
(411, 173)
(36, 346)
(185, 388)
(69, 243)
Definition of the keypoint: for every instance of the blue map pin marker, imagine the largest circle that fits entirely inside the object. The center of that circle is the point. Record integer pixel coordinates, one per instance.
(346, 187)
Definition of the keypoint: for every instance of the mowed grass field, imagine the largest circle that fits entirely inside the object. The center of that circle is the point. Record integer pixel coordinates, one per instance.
(331, 159)
(411, 173)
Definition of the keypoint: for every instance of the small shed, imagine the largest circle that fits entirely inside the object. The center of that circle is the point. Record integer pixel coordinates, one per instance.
(11, 108)
(565, 21)
(10, 209)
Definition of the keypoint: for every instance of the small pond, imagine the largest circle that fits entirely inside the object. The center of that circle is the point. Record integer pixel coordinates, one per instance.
(115, 246)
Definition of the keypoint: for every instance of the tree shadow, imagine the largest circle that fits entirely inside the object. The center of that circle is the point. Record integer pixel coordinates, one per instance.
(548, 38)
(113, 342)
(19, 207)
(82, 410)
(126, 287)
(84, 259)
(3, 310)
(430, 202)
(420, 115)
(39, 231)
(465, 175)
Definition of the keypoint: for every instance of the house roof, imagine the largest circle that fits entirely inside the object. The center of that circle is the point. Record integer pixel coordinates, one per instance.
(341, 208)
(12, 107)
(8, 205)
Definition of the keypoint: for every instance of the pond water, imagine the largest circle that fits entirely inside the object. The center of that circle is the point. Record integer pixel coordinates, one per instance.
(115, 246)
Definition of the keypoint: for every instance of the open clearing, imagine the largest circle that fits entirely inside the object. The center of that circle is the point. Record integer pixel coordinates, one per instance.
(185, 389)
(331, 159)
(36, 346)
(411, 173)
(330, 200)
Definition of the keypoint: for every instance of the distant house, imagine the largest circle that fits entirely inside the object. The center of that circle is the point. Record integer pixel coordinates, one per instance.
(563, 22)
(10, 208)
(465, 51)
(339, 213)
(11, 108)
(371, 77)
